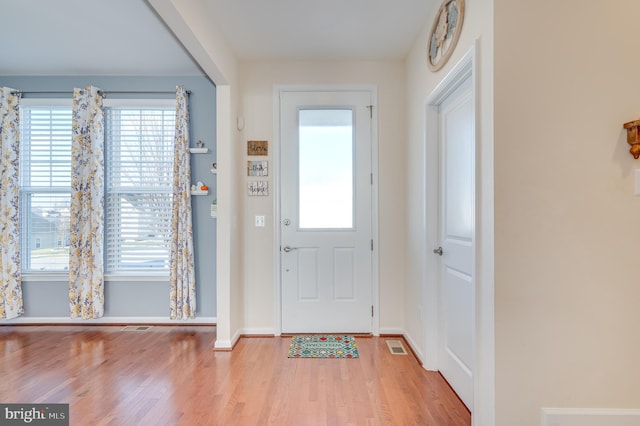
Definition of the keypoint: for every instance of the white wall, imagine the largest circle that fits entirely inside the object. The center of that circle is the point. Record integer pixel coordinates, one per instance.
(258, 80)
(567, 76)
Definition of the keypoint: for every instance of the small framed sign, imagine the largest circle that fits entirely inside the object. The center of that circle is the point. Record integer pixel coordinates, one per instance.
(257, 168)
(257, 148)
(258, 187)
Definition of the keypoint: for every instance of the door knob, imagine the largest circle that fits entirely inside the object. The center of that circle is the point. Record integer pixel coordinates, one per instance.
(438, 251)
(287, 249)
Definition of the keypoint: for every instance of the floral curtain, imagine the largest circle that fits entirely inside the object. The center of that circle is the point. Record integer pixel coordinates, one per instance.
(182, 276)
(10, 279)
(86, 270)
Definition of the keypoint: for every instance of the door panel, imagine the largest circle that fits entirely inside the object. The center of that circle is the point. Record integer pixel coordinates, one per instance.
(307, 279)
(344, 285)
(456, 287)
(325, 205)
(456, 301)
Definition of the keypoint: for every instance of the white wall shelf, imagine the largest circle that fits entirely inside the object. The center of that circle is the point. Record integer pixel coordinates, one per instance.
(200, 192)
(198, 150)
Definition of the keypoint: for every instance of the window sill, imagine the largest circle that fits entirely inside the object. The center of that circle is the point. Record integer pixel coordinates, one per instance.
(45, 276)
(146, 276)
(64, 277)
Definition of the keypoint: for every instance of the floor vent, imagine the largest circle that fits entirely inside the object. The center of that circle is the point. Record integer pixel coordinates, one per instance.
(136, 328)
(396, 347)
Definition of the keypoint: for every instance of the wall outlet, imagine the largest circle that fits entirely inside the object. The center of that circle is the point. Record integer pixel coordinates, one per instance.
(260, 222)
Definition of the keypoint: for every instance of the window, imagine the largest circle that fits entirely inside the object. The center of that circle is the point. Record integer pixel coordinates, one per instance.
(138, 186)
(45, 183)
(139, 168)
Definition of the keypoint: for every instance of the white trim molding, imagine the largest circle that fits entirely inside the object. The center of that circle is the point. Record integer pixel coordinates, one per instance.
(278, 90)
(227, 345)
(266, 332)
(589, 417)
(484, 342)
(109, 321)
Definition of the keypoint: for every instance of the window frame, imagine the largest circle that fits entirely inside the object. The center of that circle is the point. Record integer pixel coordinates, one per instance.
(147, 275)
(34, 275)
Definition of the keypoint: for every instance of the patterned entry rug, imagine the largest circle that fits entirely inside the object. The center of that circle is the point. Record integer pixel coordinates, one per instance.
(318, 346)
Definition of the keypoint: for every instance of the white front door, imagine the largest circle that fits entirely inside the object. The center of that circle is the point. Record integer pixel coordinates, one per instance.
(325, 212)
(457, 218)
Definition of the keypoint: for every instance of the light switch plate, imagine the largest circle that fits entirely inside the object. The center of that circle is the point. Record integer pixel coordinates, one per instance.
(260, 222)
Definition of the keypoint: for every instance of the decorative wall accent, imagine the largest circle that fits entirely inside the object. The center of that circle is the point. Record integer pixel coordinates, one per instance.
(633, 137)
(257, 168)
(444, 33)
(259, 188)
(257, 148)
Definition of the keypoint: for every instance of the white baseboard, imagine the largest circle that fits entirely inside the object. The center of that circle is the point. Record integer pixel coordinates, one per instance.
(589, 417)
(416, 350)
(391, 332)
(227, 345)
(222, 345)
(267, 332)
(109, 320)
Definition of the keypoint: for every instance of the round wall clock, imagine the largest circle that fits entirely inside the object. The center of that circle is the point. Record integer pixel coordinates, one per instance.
(445, 32)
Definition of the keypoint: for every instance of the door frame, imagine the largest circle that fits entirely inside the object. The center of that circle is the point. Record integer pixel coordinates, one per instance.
(278, 90)
(483, 256)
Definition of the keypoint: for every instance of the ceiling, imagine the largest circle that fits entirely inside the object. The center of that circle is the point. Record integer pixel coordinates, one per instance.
(328, 29)
(126, 37)
(88, 37)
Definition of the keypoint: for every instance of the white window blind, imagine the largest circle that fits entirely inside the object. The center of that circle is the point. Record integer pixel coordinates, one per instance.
(45, 181)
(139, 175)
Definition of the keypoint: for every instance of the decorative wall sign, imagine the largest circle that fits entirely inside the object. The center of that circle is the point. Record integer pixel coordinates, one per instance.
(445, 32)
(257, 168)
(258, 187)
(257, 148)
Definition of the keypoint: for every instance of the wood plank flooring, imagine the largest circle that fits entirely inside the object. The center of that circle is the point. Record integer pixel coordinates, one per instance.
(170, 375)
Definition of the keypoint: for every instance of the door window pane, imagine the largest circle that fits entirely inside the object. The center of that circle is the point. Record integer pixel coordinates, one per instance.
(326, 149)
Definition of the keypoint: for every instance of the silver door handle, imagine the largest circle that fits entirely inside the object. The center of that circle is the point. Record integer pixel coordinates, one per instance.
(287, 249)
(438, 251)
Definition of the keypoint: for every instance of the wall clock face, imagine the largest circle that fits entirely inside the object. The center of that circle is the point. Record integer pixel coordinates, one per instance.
(445, 32)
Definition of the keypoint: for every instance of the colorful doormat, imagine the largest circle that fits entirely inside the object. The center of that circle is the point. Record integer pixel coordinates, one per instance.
(317, 346)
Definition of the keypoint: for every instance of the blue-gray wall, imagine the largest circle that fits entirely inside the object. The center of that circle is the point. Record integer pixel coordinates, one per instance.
(142, 298)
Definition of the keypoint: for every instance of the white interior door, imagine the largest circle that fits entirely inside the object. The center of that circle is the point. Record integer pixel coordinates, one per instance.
(457, 218)
(325, 212)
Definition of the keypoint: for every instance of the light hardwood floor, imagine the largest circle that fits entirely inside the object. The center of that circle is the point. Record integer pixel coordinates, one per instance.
(170, 375)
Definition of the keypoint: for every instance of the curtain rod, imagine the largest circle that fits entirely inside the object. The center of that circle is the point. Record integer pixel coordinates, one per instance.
(103, 92)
